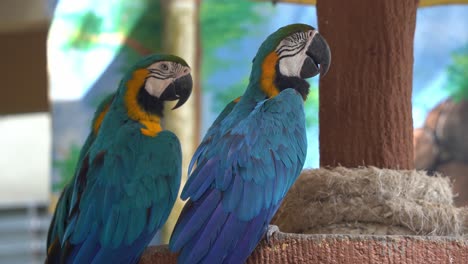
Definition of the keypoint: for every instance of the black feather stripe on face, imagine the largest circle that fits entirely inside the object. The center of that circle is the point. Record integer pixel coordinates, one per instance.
(297, 83)
(294, 43)
(150, 104)
(159, 74)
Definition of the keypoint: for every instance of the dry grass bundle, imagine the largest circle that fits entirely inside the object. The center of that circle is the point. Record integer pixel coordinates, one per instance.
(369, 200)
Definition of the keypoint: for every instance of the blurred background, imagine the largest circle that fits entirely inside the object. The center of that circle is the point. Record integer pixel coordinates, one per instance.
(60, 58)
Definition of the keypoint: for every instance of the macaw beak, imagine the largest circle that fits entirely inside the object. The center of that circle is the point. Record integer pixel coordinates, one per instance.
(180, 90)
(319, 58)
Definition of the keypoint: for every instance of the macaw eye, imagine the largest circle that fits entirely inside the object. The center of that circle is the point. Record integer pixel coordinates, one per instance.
(164, 67)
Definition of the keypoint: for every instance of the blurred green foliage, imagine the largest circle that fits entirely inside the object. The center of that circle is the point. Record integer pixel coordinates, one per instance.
(138, 23)
(147, 31)
(458, 75)
(66, 167)
(311, 106)
(89, 25)
(225, 96)
(223, 22)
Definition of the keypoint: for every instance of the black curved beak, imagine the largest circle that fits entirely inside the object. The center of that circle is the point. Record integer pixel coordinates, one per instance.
(180, 90)
(319, 58)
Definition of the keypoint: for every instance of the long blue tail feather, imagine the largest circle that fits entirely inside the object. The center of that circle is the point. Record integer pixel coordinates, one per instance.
(226, 239)
(196, 214)
(208, 235)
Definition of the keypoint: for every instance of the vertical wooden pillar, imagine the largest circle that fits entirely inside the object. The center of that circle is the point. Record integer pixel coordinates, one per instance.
(180, 28)
(365, 99)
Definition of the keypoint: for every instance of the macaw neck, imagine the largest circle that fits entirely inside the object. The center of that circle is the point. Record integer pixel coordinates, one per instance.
(254, 92)
(119, 115)
(254, 89)
(266, 82)
(262, 82)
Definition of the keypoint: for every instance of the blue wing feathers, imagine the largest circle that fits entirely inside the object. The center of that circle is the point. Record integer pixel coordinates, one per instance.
(251, 203)
(208, 235)
(260, 155)
(224, 181)
(195, 157)
(198, 185)
(248, 240)
(268, 188)
(136, 225)
(58, 223)
(85, 222)
(152, 216)
(196, 215)
(228, 237)
(210, 134)
(90, 251)
(120, 229)
(83, 253)
(233, 194)
(283, 180)
(109, 226)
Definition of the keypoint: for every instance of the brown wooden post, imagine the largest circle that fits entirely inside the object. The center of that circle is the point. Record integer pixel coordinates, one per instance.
(365, 99)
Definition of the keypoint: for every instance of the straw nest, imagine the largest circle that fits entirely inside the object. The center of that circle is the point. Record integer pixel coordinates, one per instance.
(369, 200)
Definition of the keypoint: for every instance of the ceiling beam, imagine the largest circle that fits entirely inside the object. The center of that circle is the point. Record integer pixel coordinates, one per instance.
(422, 3)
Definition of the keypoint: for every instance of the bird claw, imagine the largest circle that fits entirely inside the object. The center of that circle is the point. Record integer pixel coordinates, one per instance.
(269, 234)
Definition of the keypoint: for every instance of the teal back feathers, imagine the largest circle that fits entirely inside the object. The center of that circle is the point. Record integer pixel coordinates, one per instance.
(59, 219)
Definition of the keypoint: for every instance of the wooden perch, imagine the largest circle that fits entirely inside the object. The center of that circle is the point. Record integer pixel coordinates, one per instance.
(332, 249)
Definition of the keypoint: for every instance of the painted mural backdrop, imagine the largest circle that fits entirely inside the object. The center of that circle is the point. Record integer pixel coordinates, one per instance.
(91, 43)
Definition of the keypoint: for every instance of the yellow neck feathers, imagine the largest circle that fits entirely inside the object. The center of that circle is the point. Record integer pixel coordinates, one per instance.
(268, 75)
(151, 129)
(151, 123)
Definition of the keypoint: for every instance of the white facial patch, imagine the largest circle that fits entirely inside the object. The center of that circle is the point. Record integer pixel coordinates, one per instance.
(159, 77)
(292, 52)
(291, 66)
(162, 74)
(156, 87)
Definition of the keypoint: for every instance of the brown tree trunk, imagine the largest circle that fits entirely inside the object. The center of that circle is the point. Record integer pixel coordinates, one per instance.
(365, 100)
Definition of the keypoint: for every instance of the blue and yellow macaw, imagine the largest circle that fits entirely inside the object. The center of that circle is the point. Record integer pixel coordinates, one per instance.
(253, 155)
(129, 179)
(59, 219)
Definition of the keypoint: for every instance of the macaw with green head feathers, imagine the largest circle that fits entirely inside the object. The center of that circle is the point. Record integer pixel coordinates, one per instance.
(129, 179)
(59, 219)
(250, 158)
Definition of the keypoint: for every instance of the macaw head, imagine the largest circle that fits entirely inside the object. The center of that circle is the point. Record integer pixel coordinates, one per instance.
(152, 81)
(289, 56)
